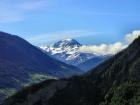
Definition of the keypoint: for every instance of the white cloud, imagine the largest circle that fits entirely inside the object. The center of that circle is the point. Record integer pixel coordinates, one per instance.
(17, 10)
(43, 38)
(132, 36)
(103, 49)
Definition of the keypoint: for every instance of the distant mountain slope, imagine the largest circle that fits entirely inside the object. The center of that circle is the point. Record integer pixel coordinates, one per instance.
(22, 63)
(68, 51)
(114, 82)
(92, 63)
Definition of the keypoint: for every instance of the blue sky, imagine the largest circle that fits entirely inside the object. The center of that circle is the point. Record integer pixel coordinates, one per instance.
(89, 21)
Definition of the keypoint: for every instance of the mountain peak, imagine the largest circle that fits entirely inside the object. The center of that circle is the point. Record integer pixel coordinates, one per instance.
(67, 43)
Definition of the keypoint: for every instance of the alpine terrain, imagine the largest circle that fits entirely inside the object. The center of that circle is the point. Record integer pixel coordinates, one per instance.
(68, 51)
(114, 82)
(22, 64)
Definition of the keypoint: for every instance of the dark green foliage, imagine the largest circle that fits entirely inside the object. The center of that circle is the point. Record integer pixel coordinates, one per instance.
(127, 93)
(77, 92)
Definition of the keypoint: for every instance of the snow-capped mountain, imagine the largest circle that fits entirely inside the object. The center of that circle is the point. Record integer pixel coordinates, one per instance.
(68, 51)
(67, 43)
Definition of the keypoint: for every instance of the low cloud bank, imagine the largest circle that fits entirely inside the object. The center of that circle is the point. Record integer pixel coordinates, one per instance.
(132, 36)
(105, 49)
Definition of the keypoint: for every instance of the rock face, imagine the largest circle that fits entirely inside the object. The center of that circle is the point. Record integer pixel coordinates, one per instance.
(114, 82)
(67, 43)
(68, 51)
(21, 62)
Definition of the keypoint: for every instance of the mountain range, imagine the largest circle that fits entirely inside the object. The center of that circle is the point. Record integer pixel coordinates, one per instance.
(22, 64)
(68, 51)
(114, 82)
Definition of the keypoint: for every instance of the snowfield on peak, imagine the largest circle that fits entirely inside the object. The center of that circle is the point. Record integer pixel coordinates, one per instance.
(69, 51)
